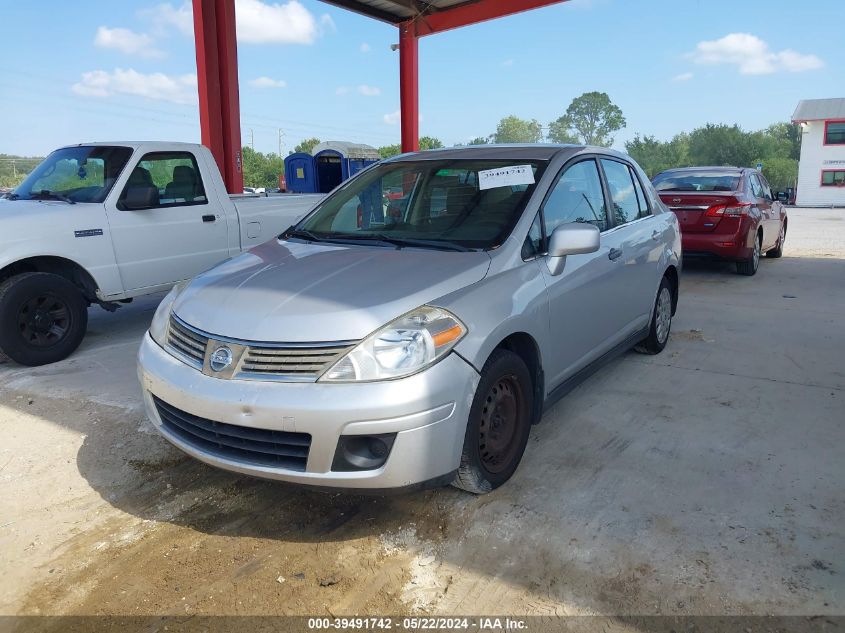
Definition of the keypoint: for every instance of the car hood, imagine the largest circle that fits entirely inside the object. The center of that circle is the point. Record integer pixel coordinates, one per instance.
(284, 291)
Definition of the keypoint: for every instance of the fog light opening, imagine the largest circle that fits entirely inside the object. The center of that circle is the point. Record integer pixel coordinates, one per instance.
(362, 452)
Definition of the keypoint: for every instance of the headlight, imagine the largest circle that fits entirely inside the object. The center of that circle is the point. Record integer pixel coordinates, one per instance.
(407, 345)
(158, 328)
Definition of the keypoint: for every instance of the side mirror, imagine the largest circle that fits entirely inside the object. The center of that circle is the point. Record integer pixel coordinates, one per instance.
(781, 196)
(574, 238)
(140, 198)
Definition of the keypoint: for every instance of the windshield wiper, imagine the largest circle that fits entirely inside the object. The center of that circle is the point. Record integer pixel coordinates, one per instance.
(412, 241)
(46, 193)
(301, 234)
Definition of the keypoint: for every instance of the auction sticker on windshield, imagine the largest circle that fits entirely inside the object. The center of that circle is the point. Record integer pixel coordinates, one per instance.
(505, 177)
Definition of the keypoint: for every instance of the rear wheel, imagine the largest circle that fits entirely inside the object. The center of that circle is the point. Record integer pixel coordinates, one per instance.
(777, 251)
(749, 266)
(661, 321)
(498, 426)
(43, 318)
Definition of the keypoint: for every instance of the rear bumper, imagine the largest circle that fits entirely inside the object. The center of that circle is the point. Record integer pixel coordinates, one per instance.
(734, 246)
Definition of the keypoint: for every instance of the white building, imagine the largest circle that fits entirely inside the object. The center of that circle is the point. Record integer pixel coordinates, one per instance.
(821, 170)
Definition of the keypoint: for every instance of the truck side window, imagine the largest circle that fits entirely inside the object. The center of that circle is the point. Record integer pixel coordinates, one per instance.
(164, 179)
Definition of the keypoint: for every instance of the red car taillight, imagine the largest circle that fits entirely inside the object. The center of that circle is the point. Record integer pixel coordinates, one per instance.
(730, 211)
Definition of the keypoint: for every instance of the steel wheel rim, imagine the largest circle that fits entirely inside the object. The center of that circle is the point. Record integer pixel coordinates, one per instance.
(44, 320)
(498, 429)
(664, 314)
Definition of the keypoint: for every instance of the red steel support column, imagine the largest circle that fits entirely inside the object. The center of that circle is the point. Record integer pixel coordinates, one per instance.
(217, 84)
(409, 87)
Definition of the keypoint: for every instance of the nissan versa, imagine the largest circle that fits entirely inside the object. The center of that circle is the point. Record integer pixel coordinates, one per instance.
(389, 341)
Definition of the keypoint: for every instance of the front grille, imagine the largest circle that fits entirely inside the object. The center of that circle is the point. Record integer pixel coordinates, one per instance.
(295, 363)
(283, 362)
(189, 343)
(278, 449)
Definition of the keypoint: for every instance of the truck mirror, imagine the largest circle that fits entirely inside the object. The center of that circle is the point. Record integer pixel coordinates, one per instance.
(137, 198)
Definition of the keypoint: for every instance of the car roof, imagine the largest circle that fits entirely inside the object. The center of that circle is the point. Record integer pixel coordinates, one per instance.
(525, 151)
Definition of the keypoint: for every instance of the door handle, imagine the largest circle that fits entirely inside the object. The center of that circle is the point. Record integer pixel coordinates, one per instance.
(209, 218)
(615, 253)
(655, 235)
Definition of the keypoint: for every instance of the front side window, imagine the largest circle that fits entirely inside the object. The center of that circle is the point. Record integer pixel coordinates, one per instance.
(76, 174)
(163, 179)
(626, 207)
(577, 197)
(833, 178)
(455, 204)
(834, 133)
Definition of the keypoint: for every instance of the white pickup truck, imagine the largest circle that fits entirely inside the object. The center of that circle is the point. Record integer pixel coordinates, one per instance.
(105, 222)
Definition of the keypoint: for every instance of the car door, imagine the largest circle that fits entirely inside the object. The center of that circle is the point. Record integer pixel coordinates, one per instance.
(774, 213)
(635, 249)
(580, 323)
(764, 206)
(164, 229)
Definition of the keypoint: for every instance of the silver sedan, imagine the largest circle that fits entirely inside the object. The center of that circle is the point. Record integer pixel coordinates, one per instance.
(412, 327)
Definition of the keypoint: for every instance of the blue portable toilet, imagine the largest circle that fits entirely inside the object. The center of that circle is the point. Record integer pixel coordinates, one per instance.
(335, 161)
(300, 173)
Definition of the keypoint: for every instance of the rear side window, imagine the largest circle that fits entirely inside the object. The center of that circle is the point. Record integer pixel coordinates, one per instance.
(164, 179)
(642, 201)
(577, 197)
(756, 187)
(620, 182)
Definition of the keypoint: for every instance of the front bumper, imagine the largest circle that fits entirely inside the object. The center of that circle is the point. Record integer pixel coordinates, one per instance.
(428, 412)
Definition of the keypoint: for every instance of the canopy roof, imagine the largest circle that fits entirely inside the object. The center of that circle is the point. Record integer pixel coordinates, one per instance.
(819, 109)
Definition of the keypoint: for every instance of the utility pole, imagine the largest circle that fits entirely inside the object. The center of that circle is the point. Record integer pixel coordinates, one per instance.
(281, 134)
(251, 139)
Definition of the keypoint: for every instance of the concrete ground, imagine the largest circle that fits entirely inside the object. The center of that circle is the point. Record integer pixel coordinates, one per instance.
(705, 480)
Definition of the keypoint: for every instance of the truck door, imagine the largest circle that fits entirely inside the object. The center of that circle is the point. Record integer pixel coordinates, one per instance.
(164, 228)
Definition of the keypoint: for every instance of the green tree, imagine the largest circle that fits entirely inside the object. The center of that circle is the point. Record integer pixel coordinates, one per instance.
(479, 140)
(13, 169)
(430, 142)
(512, 129)
(387, 151)
(307, 145)
(655, 156)
(591, 118)
(261, 170)
(789, 133)
(721, 145)
(780, 172)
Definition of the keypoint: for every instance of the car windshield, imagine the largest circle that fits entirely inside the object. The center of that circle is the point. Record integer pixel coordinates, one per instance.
(456, 204)
(696, 181)
(75, 174)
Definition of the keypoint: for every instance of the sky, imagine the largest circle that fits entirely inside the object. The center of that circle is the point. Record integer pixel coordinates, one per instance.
(101, 70)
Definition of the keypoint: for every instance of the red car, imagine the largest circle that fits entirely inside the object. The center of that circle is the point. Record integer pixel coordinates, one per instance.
(726, 213)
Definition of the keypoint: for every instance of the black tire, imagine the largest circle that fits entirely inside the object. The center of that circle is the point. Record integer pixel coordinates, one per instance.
(777, 251)
(749, 266)
(661, 320)
(43, 318)
(498, 426)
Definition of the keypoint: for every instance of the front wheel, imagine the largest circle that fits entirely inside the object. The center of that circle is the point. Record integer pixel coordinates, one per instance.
(43, 318)
(661, 321)
(498, 426)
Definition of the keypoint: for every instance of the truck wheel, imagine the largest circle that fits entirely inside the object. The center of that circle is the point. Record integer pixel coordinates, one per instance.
(749, 266)
(43, 318)
(661, 321)
(498, 426)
